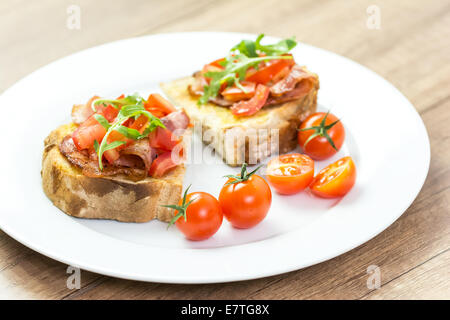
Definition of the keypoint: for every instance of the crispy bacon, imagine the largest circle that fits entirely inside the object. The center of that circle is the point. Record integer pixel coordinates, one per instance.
(89, 165)
(298, 92)
(196, 89)
(289, 83)
(141, 149)
(80, 112)
(176, 121)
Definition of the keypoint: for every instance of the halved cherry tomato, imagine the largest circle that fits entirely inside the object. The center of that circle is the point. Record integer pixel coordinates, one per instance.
(320, 147)
(250, 107)
(234, 93)
(245, 200)
(200, 217)
(290, 173)
(268, 70)
(161, 138)
(162, 164)
(335, 180)
(156, 102)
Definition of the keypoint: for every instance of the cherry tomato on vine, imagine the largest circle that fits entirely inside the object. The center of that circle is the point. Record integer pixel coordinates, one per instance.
(245, 199)
(321, 135)
(198, 215)
(335, 180)
(290, 173)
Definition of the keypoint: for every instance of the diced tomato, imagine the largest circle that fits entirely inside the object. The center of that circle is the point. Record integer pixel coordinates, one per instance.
(90, 130)
(268, 70)
(109, 112)
(156, 102)
(250, 107)
(155, 111)
(236, 94)
(162, 164)
(216, 63)
(113, 154)
(161, 138)
(140, 123)
(120, 97)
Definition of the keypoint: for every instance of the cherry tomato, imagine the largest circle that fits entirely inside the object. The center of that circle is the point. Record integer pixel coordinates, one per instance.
(245, 199)
(290, 173)
(335, 180)
(200, 216)
(327, 130)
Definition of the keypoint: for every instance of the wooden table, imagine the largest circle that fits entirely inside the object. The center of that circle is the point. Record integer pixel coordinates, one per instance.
(411, 49)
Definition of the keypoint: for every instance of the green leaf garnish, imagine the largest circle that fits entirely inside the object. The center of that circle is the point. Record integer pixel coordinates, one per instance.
(101, 119)
(242, 57)
(131, 106)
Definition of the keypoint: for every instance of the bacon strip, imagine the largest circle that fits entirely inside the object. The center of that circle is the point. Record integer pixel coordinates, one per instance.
(289, 83)
(80, 112)
(89, 165)
(175, 121)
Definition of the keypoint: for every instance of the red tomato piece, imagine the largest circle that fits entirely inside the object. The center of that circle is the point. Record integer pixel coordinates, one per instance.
(156, 102)
(250, 107)
(89, 131)
(162, 164)
(268, 70)
(161, 138)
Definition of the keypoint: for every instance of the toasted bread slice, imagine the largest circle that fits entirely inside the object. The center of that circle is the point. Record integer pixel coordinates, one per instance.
(250, 139)
(116, 198)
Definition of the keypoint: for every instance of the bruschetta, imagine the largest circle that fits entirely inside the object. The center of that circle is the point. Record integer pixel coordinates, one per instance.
(251, 102)
(119, 159)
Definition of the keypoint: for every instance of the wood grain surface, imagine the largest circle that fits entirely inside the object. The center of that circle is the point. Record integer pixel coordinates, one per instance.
(411, 49)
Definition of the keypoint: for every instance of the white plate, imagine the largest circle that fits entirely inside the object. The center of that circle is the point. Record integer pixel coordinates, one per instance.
(385, 137)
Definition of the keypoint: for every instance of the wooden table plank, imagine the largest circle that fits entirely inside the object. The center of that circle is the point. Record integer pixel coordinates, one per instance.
(410, 50)
(427, 281)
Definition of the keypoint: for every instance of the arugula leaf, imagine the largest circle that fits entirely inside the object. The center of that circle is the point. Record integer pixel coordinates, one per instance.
(133, 99)
(239, 65)
(101, 119)
(282, 47)
(247, 47)
(113, 145)
(129, 132)
(132, 106)
(244, 55)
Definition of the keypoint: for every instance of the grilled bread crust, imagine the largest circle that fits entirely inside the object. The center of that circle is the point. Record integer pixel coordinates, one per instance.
(245, 139)
(115, 198)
